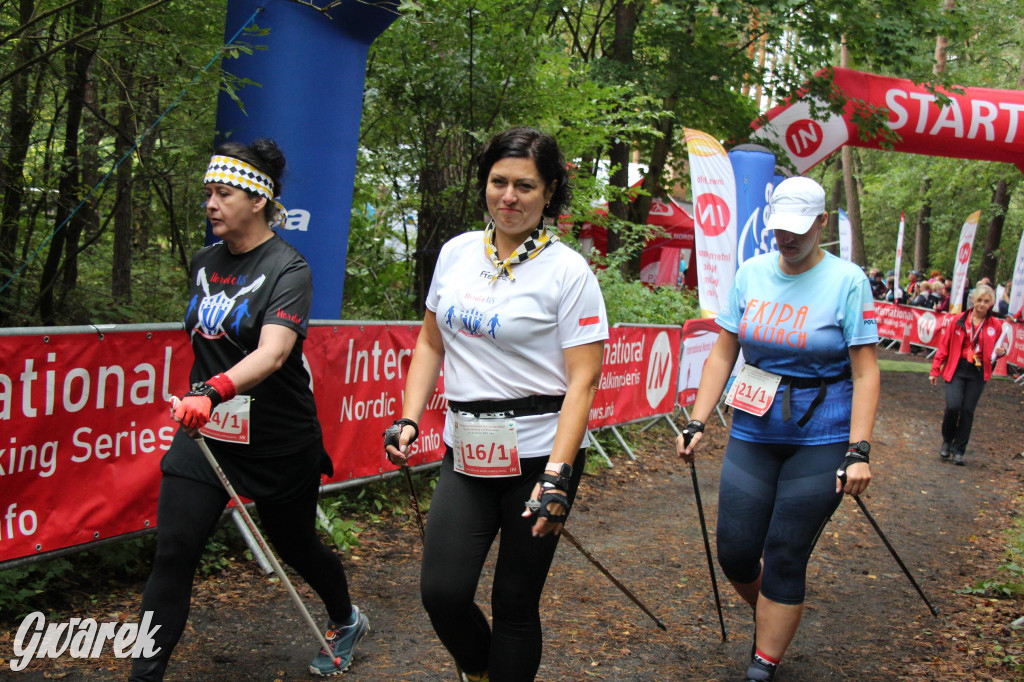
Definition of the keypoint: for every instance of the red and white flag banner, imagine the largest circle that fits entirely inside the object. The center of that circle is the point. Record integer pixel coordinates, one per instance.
(897, 289)
(976, 123)
(714, 205)
(963, 262)
(1017, 287)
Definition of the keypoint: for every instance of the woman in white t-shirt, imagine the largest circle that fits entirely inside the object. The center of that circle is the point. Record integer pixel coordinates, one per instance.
(517, 320)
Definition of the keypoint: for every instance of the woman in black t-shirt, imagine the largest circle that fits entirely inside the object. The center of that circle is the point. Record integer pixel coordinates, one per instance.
(249, 301)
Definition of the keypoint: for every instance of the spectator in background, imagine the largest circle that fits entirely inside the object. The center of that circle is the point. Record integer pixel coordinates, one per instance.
(965, 356)
(923, 295)
(1003, 300)
(878, 285)
(912, 280)
(940, 294)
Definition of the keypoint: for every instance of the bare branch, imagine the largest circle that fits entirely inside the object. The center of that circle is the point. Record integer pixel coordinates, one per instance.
(75, 38)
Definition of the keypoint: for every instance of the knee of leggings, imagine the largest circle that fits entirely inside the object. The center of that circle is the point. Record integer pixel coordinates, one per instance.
(739, 564)
(785, 584)
(182, 549)
(444, 596)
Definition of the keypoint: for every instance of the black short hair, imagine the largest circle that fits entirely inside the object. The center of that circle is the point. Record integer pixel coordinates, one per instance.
(266, 157)
(527, 143)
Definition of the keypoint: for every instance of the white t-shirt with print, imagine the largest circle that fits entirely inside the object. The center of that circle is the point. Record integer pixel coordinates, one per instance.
(504, 340)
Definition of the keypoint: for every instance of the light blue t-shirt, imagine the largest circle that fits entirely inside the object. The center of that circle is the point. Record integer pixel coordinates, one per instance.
(800, 325)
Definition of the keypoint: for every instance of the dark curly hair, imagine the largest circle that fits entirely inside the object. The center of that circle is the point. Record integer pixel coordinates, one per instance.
(266, 157)
(527, 143)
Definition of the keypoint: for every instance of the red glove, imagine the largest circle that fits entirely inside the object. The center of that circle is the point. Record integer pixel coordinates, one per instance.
(193, 411)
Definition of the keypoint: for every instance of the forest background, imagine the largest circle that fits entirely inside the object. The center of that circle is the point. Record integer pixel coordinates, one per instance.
(87, 83)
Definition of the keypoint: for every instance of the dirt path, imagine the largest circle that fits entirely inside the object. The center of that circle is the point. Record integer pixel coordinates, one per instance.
(863, 619)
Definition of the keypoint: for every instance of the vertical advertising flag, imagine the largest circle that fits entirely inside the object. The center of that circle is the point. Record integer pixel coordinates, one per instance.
(714, 206)
(1017, 287)
(897, 290)
(846, 236)
(963, 261)
(754, 170)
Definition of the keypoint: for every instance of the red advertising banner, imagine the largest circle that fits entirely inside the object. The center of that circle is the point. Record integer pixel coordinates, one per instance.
(85, 422)
(698, 337)
(84, 417)
(638, 375)
(926, 328)
(358, 380)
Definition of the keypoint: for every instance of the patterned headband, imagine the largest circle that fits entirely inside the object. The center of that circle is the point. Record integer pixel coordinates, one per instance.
(228, 170)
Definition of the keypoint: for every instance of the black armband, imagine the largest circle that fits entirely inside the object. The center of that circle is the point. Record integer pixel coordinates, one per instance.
(201, 388)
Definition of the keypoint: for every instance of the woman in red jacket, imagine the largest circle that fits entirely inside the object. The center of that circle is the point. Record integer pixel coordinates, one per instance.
(965, 356)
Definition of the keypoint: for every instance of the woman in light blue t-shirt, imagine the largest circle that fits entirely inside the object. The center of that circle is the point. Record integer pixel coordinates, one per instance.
(805, 321)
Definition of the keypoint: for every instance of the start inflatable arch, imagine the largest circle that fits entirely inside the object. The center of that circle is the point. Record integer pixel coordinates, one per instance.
(977, 123)
(309, 71)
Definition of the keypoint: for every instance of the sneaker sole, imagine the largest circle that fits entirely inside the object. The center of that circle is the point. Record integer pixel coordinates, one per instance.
(338, 671)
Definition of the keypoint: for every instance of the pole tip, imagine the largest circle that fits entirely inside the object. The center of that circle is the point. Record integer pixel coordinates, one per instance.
(660, 624)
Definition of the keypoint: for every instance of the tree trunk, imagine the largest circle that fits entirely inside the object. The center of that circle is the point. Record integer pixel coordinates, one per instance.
(13, 165)
(640, 208)
(853, 207)
(78, 62)
(832, 230)
(990, 257)
(621, 52)
(922, 243)
(850, 184)
(441, 214)
(121, 268)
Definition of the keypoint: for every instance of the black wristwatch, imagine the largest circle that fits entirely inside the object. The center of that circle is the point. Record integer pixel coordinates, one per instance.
(559, 479)
(861, 447)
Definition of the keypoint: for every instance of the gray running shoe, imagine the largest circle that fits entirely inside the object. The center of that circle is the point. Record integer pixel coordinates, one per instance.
(342, 639)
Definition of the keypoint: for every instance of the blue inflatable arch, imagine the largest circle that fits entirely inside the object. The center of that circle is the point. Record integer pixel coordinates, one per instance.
(309, 99)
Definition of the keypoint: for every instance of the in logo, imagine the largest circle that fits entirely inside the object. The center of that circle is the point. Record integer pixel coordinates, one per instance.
(804, 137)
(964, 254)
(926, 325)
(659, 370)
(712, 214)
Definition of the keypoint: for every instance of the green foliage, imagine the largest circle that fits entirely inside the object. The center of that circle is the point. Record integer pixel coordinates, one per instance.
(1009, 584)
(633, 302)
(50, 584)
(343, 532)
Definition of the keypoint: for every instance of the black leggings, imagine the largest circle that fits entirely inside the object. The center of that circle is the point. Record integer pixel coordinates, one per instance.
(187, 514)
(962, 394)
(465, 515)
(773, 501)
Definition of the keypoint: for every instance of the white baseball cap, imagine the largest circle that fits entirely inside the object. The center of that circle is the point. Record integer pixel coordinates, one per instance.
(796, 204)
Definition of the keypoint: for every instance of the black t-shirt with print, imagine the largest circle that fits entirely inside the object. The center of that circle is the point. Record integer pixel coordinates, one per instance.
(231, 297)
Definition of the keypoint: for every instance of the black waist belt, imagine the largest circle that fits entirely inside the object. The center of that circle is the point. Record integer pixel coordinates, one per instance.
(518, 407)
(808, 382)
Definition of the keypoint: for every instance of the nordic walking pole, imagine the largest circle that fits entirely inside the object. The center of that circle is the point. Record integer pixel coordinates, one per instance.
(707, 548)
(415, 501)
(906, 572)
(391, 435)
(608, 574)
(264, 546)
(687, 436)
